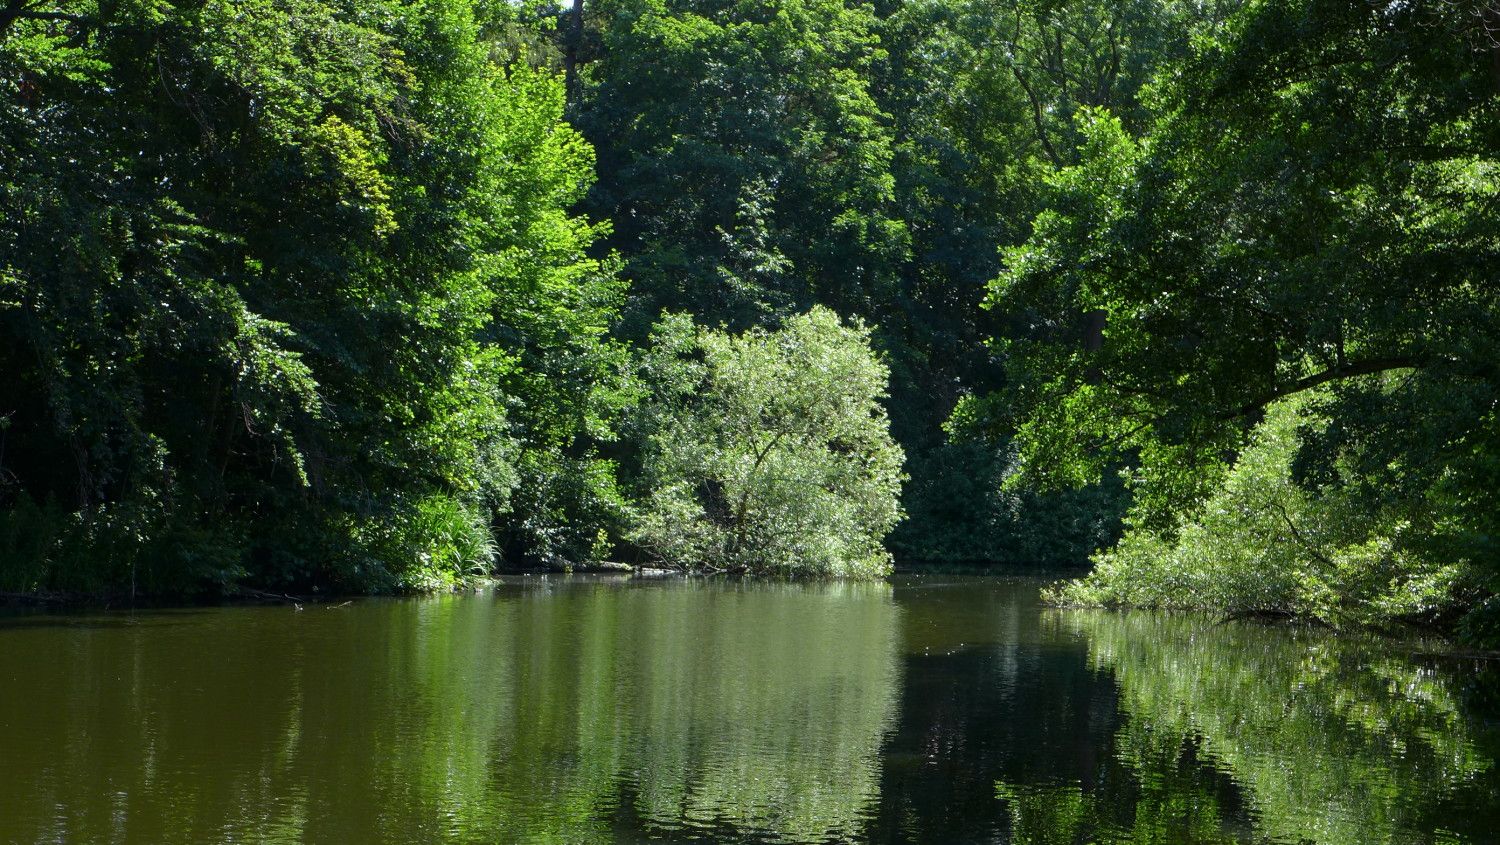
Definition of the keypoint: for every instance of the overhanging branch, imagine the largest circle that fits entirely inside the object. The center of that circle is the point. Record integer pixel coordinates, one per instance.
(18, 10)
(1348, 370)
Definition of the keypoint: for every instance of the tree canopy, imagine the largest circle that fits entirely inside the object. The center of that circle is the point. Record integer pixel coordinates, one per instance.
(373, 296)
(748, 166)
(1309, 209)
(296, 264)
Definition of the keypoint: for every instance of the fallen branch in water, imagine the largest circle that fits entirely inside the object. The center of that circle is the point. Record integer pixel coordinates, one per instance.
(262, 595)
(727, 570)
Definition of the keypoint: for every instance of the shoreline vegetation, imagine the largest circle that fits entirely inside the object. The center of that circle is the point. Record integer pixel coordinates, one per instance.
(313, 296)
(1263, 546)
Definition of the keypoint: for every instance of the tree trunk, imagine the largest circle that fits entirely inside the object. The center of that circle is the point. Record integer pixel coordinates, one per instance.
(572, 43)
(1093, 340)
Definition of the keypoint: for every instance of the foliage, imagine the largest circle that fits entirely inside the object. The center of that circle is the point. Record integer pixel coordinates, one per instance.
(286, 287)
(987, 91)
(1262, 543)
(746, 166)
(321, 293)
(961, 510)
(1309, 205)
(761, 158)
(768, 451)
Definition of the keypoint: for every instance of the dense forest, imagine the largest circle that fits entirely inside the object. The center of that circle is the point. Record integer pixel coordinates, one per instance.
(363, 295)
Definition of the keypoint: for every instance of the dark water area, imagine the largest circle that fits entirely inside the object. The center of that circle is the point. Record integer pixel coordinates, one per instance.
(937, 709)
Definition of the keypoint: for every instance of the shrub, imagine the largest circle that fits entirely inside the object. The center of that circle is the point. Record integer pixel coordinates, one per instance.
(767, 451)
(1263, 543)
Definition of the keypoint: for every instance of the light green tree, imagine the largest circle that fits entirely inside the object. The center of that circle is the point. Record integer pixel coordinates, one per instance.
(768, 451)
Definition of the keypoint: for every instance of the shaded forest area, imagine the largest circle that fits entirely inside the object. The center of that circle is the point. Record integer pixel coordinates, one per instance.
(379, 296)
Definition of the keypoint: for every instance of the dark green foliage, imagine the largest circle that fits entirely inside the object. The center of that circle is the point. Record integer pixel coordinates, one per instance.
(968, 514)
(760, 158)
(744, 163)
(986, 91)
(310, 293)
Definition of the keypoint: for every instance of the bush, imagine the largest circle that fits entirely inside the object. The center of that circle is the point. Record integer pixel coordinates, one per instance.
(1264, 543)
(433, 543)
(767, 452)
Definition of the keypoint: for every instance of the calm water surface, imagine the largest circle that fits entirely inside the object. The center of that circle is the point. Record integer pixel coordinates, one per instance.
(933, 710)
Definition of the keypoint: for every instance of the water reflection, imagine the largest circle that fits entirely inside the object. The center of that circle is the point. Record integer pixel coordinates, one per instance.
(1237, 732)
(593, 713)
(587, 711)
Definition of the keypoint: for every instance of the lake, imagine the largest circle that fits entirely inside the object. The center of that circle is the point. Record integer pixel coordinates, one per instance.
(932, 709)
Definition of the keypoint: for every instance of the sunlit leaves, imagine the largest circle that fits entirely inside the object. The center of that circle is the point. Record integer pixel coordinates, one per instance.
(293, 279)
(769, 451)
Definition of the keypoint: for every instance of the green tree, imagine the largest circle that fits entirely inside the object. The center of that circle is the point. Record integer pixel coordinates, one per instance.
(288, 290)
(986, 91)
(1264, 544)
(746, 166)
(767, 451)
(1309, 206)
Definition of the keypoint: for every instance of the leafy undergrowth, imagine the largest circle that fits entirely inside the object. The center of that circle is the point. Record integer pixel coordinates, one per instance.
(1264, 544)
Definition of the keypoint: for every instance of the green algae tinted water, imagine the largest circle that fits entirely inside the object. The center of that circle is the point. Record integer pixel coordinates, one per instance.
(933, 710)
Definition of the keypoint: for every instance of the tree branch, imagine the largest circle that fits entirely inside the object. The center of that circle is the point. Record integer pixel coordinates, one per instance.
(1297, 535)
(1358, 368)
(16, 10)
(1036, 112)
